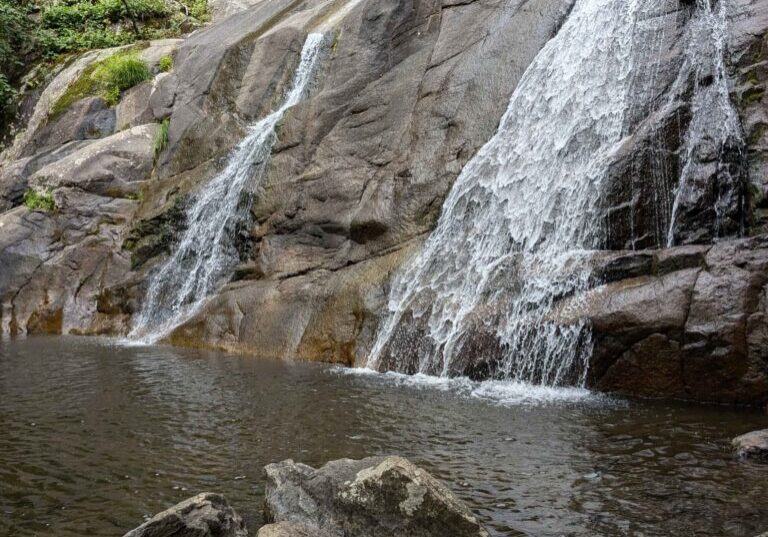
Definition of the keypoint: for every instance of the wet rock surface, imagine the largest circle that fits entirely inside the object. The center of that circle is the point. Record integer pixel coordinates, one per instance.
(752, 446)
(204, 515)
(357, 179)
(377, 496)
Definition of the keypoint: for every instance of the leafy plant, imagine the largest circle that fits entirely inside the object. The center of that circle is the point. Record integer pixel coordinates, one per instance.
(165, 64)
(7, 95)
(161, 138)
(39, 200)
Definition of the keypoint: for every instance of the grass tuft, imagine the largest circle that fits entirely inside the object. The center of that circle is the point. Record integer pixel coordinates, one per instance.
(39, 200)
(107, 79)
(161, 138)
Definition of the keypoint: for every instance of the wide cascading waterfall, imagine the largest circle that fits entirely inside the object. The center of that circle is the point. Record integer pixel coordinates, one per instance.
(714, 136)
(206, 252)
(516, 229)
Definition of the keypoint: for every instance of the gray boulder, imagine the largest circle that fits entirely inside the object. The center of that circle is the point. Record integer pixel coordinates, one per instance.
(381, 496)
(752, 446)
(287, 529)
(205, 515)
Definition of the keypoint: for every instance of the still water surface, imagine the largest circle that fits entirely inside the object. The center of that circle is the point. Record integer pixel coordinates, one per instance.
(95, 436)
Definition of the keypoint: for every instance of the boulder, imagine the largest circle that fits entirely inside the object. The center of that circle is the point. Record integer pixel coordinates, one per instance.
(753, 446)
(113, 166)
(377, 496)
(205, 515)
(287, 529)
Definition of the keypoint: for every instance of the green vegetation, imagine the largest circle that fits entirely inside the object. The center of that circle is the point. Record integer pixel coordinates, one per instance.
(165, 64)
(7, 96)
(161, 138)
(119, 73)
(34, 32)
(39, 200)
(106, 78)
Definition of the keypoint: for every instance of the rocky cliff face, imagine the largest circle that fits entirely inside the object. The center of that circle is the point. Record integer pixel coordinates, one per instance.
(407, 94)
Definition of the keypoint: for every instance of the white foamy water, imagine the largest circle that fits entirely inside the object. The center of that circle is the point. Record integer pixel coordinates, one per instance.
(206, 253)
(516, 229)
(497, 392)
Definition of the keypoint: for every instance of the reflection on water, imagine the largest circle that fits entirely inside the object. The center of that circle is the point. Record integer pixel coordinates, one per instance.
(95, 437)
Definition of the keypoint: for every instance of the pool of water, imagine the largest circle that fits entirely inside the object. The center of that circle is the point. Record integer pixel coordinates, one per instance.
(95, 436)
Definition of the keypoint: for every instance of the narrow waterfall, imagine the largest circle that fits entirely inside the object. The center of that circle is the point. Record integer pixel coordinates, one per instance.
(206, 253)
(715, 128)
(515, 230)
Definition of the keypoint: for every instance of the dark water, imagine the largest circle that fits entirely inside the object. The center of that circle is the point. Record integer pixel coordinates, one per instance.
(94, 437)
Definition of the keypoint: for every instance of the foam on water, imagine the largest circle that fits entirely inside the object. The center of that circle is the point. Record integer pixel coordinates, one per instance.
(497, 392)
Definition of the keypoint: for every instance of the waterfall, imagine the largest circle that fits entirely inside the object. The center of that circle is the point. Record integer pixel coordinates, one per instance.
(715, 127)
(516, 229)
(206, 253)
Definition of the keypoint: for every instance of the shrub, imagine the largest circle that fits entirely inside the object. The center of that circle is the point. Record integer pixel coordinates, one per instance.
(165, 64)
(7, 95)
(161, 138)
(39, 200)
(15, 36)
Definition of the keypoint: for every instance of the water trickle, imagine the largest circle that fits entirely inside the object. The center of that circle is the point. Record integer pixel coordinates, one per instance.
(206, 253)
(516, 230)
(715, 128)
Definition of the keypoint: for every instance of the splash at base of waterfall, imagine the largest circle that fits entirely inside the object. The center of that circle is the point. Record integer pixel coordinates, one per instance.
(518, 229)
(496, 392)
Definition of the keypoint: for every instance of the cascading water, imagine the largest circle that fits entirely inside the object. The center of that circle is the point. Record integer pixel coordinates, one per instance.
(515, 231)
(715, 128)
(206, 252)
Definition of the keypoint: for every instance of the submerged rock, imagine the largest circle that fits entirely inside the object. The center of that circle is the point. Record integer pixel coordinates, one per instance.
(752, 445)
(381, 496)
(204, 515)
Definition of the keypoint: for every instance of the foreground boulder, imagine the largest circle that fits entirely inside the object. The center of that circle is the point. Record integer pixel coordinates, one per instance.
(287, 529)
(204, 515)
(752, 445)
(381, 496)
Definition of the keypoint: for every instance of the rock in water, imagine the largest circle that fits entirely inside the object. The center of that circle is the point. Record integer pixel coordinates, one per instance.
(287, 529)
(204, 515)
(381, 496)
(752, 445)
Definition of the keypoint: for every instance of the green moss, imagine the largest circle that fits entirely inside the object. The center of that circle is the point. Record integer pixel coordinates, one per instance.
(161, 138)
(39, 200)
(757, 133)
(165, 64)
(753, 95)
(336, 39)
(106, 78)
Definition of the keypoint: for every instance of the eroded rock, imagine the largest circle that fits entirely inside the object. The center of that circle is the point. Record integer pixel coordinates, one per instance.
(205, 515)
(377, 496)
(753, 446)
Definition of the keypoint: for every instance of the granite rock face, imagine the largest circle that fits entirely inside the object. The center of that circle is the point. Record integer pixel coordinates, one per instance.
(408, 93)
(378, 496)
(690, 324)
(204, 515)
